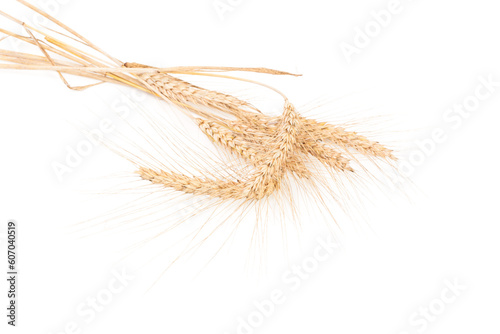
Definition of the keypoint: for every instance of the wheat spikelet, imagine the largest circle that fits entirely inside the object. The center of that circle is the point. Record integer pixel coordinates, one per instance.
(347, 139)
(251, 150)
(270, 173)
(193, 185)
(260, 128)
(183, 92)
(326, 155)
(227, 139)
(314, 132)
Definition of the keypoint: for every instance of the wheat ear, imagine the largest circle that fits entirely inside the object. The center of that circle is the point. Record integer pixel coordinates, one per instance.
(270, 173)
(251, 150)
(347, 139)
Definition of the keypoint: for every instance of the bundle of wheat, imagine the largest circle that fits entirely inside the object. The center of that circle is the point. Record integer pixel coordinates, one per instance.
(274, 149)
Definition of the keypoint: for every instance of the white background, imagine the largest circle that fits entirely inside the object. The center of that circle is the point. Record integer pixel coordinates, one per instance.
(427, 59)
